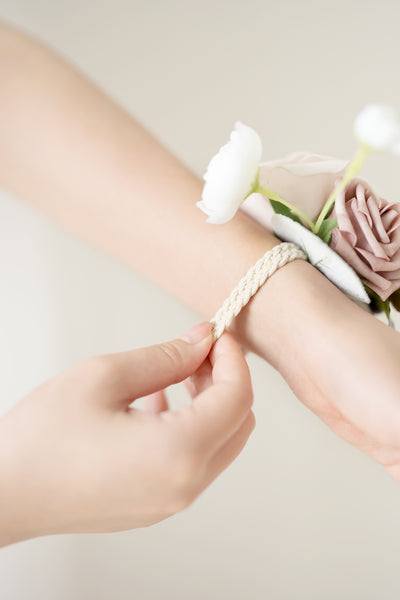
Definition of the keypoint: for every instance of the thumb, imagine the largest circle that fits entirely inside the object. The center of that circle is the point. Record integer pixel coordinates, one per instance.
(143, 371)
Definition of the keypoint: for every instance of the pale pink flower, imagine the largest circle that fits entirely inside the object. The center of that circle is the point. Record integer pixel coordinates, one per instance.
(303, 179)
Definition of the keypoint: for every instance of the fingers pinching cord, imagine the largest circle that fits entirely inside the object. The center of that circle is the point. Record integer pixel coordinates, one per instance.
(226, 398)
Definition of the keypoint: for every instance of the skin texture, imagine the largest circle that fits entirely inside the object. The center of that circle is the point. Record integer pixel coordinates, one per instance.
(77, 456)
(76, 156)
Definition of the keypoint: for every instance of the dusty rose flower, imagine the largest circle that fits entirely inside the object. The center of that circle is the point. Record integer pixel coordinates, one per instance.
(368, 237)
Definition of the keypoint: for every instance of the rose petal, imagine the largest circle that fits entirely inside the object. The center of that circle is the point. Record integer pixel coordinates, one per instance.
(344, 222)
(363, 218)
(303, 179)
(393, 276)
(362, 203)
(393, 247)
(379, 265)
(341, 245)
(390, 215)
(384, 295)
(378, 228)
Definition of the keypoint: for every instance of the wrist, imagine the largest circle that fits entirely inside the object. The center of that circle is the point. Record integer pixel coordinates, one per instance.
(17, 500)
(294, 304)
(10, 524)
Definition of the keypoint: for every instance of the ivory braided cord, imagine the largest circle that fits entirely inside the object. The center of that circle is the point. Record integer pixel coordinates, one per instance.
(255, 277)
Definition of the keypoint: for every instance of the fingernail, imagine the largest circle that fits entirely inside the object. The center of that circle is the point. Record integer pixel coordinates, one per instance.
(197, 333)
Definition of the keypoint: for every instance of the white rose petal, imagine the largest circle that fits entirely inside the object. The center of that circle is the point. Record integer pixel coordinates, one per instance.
(231, 174)
(377, 126)
(321, 256)
(305, 163)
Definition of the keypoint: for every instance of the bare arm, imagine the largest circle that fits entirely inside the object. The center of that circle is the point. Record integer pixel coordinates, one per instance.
(70, 151)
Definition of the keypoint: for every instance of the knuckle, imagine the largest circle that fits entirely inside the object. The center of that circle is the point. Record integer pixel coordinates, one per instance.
(171, 353)
(182, 501)
(251, 397)
(247, 396)
(252, 421)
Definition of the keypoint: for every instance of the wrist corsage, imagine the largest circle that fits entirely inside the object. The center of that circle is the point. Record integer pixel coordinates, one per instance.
(319, 205)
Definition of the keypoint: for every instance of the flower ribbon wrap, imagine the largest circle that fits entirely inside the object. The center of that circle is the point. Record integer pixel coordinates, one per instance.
(367, 235)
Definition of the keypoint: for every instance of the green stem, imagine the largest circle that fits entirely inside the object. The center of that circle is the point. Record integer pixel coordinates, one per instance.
(274, 196)
(353, 168)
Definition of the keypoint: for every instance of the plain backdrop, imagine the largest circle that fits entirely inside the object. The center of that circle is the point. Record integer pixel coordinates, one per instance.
(300, 514)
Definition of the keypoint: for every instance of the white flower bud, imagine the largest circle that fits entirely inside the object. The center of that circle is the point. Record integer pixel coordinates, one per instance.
(377, 126)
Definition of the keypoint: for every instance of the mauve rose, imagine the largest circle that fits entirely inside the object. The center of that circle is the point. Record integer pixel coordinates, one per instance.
(368, 237)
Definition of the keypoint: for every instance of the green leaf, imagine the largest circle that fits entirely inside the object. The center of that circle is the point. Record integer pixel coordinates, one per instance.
(325, 231)
(328, 214)
(281, 209)
(395, 299)
(386, 309)
(377, 304)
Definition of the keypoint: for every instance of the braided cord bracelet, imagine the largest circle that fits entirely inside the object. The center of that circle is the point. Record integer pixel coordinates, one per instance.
(255, 277)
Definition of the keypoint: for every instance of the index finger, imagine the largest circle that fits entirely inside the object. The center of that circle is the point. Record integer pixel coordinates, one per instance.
(220, 410)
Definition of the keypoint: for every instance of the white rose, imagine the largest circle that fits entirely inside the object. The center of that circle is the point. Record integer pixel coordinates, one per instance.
(231, 174)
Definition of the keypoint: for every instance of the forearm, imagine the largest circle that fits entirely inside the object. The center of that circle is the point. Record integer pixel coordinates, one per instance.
(79, 158)
(72, 153)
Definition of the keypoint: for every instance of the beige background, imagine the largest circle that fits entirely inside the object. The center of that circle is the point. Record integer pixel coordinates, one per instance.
(300, 515)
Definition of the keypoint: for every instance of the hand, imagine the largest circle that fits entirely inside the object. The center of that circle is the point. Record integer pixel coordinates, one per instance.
(340, 361)
(76, 457)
